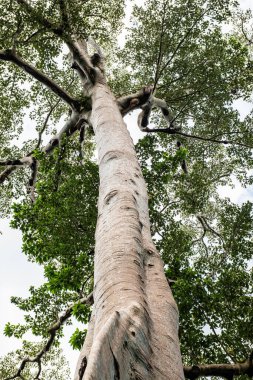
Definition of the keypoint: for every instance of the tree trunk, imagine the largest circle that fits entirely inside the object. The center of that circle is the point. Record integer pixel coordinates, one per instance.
(133, 332)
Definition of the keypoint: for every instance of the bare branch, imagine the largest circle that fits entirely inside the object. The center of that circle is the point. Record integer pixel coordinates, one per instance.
(13, 164)
(217, 336)
(248, 39)
(68, 129)
(34, 34)
(18, 162)
(206, 226)
(227, 371)
(11, 56)
(45, 124)
(82, 141)
(52, 334)
(201, 238)
(32, 180)
(140, 99)
(58, 166)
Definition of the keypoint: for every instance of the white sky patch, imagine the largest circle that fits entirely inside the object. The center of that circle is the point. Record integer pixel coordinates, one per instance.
(246, 4)
(16, 276)
(243, 107)
(131, 122)
(127, 20)
(237, 193)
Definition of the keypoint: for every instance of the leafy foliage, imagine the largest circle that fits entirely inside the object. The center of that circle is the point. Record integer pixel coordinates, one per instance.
(54, 364)
(58, 233)
(77, 339)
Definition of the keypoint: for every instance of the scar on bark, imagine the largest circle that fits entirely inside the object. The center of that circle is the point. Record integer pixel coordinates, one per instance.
(82, 368)
(116, 365)
(110, 196)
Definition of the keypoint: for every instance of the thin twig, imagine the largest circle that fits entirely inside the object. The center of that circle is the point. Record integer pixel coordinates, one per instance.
(184, 39)
(160, 47)
(217, 336)
(172, 131)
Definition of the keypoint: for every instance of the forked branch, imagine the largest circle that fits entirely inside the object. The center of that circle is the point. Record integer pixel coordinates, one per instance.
(73, 124)
(172, 129)
(134, 101)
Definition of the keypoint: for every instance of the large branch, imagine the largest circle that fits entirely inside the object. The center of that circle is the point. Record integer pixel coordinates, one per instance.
(133, 101)
(68, 129)
(6, 172)
(11, 56)
(144, 100)
(227, 371)
(52, 334)
(19, 162)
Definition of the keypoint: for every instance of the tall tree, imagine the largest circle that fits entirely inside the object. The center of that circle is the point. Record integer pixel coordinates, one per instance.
(178, 62)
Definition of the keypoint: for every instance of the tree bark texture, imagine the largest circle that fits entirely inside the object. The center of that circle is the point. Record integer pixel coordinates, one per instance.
(133, 332)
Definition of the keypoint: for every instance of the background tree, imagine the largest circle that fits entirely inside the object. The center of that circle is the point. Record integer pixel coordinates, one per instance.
(178, 64)
(54, 364)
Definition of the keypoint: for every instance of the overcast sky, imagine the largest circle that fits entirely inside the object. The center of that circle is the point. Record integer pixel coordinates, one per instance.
(17, 274)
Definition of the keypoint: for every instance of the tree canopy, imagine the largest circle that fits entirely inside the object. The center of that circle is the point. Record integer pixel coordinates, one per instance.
(197, 57)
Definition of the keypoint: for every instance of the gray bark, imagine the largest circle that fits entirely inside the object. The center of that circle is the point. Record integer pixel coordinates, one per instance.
(133, 332)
